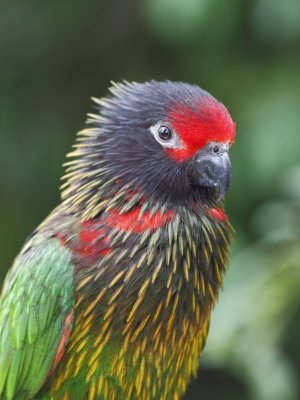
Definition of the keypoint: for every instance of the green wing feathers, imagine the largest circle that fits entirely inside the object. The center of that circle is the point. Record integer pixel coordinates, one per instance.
(36, 300)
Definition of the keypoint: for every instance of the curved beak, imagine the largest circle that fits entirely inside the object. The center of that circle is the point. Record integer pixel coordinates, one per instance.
(212, 169)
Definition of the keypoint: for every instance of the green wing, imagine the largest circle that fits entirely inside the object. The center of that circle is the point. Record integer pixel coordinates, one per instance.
(36, 300)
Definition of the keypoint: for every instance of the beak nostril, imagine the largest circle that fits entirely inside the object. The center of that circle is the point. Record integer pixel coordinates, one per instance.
(216, 149)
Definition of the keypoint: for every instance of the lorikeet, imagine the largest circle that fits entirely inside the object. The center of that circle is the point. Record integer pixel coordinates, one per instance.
(111, 296)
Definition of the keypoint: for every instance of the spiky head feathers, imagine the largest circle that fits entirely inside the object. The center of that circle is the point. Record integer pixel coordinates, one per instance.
(146, 136)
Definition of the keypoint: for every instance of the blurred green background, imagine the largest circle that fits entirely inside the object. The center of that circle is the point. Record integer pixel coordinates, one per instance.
(55, 55)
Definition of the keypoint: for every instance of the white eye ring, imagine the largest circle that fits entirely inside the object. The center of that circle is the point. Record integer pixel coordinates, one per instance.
(165, 136)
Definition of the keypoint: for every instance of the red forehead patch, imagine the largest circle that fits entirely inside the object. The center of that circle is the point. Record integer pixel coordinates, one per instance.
(197, 128)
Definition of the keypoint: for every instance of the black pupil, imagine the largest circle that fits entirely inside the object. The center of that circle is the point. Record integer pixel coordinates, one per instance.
(165, 133)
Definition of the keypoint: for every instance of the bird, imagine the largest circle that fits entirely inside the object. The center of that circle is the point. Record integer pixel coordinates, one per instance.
(111, 296)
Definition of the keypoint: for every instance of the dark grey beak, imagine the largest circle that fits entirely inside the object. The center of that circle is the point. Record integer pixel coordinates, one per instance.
(212, 169)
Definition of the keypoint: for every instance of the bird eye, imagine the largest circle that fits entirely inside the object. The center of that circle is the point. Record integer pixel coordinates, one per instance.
(165, 133)
(165, 136)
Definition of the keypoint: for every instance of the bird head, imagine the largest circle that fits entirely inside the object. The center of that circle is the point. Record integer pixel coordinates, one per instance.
(168, 140)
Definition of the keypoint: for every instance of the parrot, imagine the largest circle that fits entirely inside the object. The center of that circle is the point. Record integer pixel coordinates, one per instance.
(110, 297)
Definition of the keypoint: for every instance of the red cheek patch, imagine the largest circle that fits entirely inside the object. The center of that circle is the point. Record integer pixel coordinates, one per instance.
(197, 128)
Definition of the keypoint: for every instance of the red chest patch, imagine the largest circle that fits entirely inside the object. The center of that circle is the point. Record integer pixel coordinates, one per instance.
(132, 222)
(92, 241)
(217, 213)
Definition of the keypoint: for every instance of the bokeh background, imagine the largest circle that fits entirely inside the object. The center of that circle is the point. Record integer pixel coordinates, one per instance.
(55, 55)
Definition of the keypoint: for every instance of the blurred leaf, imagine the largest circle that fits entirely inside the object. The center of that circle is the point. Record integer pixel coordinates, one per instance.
(176, 19)
(277, 21)
(261, 297)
